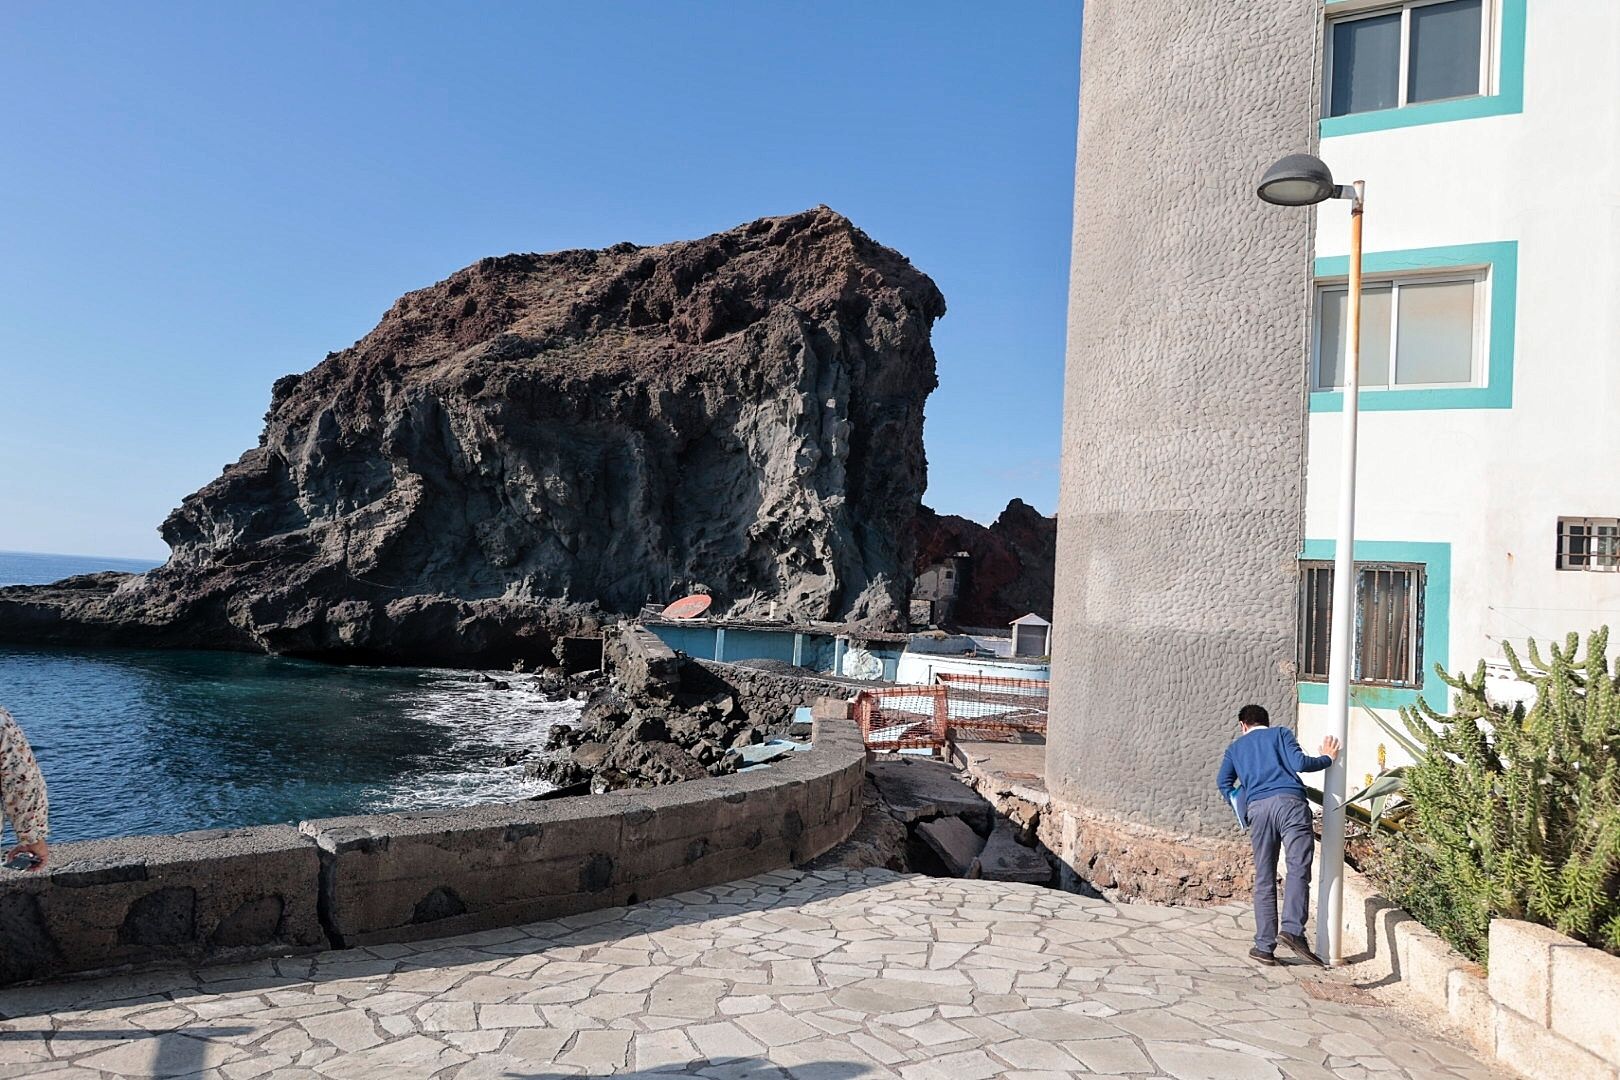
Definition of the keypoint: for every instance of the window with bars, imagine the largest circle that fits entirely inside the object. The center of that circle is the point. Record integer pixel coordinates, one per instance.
(1389, 623)
(1589, 544)
(1390, 56)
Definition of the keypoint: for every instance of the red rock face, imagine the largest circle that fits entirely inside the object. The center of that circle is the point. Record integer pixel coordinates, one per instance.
(1012, 566)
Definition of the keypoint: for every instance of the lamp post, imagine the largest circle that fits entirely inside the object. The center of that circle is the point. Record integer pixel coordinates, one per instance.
(1304, 180)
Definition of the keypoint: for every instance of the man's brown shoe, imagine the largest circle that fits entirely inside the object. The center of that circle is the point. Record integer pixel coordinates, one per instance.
(1302, 947)
(1257, 953)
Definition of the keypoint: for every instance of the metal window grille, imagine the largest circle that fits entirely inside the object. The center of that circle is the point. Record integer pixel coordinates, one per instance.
(1589, 544)
(1315, 619)
(1389, 623)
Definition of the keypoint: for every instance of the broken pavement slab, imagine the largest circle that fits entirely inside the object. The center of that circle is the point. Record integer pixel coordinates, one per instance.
(1005, 859)
(956, 845)
(919, 790)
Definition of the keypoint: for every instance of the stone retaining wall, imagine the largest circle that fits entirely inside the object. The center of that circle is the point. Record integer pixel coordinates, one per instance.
(1142, 862)
(770, 697)
(200, 896)
(642, 663)
(1547, 1009)
(339, 882)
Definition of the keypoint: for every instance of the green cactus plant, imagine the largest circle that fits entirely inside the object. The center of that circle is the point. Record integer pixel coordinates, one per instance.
(1516, 812)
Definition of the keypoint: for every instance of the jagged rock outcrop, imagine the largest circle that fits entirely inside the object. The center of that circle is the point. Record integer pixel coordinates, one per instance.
(1014, 561)
(662, 717)
(539, 439)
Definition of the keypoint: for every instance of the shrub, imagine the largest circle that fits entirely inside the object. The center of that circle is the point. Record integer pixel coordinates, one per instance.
(1516, 812)
(1408, 875)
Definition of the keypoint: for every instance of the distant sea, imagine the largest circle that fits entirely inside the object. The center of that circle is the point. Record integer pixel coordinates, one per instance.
(39, 568)
(136, 741)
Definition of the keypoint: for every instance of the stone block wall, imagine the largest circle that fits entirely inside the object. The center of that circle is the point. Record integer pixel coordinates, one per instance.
(1557, 1003)
(643, 664)
(1548, 1007)
(339, 882)
(769, 698)
(194, 897)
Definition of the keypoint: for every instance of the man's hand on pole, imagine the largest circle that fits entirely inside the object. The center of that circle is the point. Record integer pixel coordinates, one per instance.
(1330, 747)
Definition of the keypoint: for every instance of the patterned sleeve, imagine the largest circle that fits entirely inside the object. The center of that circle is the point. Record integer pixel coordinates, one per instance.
(22, 788)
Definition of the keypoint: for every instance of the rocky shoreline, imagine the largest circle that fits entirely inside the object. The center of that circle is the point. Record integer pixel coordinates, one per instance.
(654, 716)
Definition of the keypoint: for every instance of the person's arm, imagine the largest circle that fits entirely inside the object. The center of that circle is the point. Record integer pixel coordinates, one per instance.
(22, 790)
(1300, 762)
(1226, 780)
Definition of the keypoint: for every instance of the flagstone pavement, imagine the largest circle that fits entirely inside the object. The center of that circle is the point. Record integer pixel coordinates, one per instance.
(816, 976)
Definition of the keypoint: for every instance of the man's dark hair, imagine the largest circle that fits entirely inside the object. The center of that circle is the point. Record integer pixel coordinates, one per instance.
(1254, 716)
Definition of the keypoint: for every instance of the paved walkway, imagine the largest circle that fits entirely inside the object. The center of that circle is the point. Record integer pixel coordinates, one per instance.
(821, 976)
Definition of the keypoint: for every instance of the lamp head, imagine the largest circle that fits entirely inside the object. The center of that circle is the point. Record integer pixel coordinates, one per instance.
(1297, 180)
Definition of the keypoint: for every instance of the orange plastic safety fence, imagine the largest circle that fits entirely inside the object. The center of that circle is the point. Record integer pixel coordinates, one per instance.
(994, 707)
(896, 718)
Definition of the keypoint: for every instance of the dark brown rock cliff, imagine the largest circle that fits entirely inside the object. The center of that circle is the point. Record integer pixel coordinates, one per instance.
(1012, 566)
(541, 438)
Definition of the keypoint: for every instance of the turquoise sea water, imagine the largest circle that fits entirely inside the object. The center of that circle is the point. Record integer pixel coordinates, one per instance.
(136, 741)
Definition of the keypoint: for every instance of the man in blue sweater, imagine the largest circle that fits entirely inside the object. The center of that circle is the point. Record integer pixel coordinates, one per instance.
(1260, 777)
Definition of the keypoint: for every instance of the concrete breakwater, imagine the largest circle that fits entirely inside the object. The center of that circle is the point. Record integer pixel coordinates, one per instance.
(236, 894)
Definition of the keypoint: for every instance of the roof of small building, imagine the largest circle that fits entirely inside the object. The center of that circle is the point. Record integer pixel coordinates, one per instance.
(1031, 619)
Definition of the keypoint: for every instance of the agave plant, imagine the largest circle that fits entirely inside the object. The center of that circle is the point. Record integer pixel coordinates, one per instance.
(1384, 798)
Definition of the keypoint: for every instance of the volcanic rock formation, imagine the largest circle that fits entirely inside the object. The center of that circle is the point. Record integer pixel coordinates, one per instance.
(1012, 565)
(539, 440)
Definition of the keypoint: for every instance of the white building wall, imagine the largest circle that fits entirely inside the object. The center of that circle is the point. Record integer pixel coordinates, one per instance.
(1493, 482)
(920, 668)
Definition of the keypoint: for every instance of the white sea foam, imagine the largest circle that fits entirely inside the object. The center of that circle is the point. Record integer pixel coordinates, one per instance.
(483, 724)
(136, 742)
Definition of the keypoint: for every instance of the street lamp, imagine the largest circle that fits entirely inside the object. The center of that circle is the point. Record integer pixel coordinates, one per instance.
(1304, 180)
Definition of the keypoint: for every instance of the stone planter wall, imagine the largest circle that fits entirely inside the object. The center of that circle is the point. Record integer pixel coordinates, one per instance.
(275, 890)
(1550, 1007)
(769, 697)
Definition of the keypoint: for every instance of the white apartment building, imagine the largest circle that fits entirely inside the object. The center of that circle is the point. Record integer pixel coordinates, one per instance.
(1488, 135)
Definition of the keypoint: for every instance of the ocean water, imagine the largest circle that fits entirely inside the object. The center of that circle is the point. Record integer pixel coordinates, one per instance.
(38, 568)
(138, 741)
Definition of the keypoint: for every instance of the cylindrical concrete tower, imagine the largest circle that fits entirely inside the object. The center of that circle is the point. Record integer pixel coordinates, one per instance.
(1184, 433)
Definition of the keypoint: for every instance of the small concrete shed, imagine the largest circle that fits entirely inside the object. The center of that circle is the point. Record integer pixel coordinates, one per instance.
(1031, 636)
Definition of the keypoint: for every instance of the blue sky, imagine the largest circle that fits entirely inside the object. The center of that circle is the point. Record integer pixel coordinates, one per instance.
(198, 198)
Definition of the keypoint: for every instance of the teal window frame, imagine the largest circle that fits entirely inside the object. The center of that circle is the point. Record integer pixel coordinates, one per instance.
(1501, 260)
(1507, 100)
(1436, 561)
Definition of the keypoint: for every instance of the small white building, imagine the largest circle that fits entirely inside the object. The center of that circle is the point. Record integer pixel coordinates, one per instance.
(931, 655)
(1031, 636)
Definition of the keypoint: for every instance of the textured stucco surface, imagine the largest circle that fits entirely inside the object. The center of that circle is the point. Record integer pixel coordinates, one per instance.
(1181, 501)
